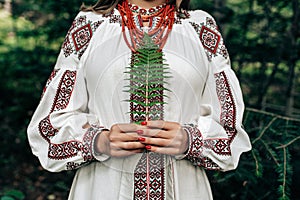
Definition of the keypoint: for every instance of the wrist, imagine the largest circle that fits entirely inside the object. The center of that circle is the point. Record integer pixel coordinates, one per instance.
(101, 142)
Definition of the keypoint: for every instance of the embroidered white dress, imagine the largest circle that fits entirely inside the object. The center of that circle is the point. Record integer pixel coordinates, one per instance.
(87, 86)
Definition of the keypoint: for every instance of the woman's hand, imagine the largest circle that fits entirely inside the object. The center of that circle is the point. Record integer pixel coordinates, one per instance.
(165, 137)
(122, 140)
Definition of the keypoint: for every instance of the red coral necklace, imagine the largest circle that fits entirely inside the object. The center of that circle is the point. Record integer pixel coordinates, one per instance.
(164, 16)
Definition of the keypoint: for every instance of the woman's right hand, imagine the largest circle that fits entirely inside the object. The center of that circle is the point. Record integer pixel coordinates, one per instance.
(122, 140)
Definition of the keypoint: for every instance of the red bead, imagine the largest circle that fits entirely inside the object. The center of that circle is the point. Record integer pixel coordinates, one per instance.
(141, 139)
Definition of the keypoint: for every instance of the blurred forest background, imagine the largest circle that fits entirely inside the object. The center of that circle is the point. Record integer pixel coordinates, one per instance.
(263, 39)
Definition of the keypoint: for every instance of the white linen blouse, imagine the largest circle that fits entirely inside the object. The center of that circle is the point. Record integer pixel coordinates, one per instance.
(87, 86)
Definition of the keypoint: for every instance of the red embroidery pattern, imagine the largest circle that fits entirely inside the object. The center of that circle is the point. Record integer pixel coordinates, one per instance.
(196, 148)
(79, 36)
(140, 178)
(63, 151)
(61, 101)
(113, 18)
(71, 148)
(156, 176)
(51, 77)
(151, 11)
(150, 185)
(46, 129)
(64, 91)
(228, 108)
(210, 38)
(220, 146)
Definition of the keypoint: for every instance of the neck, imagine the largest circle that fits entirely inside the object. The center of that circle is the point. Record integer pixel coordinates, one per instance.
(147, 3)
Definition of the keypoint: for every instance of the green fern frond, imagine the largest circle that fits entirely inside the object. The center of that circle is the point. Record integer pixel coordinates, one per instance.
(147, 76)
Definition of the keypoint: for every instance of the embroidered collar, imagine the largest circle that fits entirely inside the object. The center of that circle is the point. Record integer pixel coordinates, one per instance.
(143, 11)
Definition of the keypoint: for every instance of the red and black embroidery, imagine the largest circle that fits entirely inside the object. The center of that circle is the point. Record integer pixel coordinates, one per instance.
(156, 176)
(51, 77)
(150, 185)
(220, 146)
(228, 107)
(60, 102)
(197, 146)
(71, 148)
(79, 36)
(210, 38)
(113, 18)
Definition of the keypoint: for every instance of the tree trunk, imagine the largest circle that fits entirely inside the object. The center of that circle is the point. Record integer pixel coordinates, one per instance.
(293, 34)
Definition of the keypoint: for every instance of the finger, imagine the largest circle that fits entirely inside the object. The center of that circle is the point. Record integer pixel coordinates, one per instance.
(123, 153)
(158, 142)
(166, 125)
(126, 146)
(123, 137)
(164, 150)
(124, 128)
(156, 133)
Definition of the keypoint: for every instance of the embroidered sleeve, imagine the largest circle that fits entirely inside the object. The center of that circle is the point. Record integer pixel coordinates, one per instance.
(218, 139)
(56, 132)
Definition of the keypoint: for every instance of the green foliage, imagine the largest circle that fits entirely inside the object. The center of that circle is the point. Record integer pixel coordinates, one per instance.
(266, 172)
(148, 75)
(13, 195)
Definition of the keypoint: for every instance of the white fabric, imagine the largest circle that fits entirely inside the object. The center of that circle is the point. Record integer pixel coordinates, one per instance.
(98, 98)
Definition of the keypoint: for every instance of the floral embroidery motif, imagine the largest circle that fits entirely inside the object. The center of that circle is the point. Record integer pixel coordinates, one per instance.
(151, 11)
(79, 36)
(113, 18)
(210, 38)
(219, 146)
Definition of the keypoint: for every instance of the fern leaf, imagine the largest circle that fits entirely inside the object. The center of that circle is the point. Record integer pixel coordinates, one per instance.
(148, 75)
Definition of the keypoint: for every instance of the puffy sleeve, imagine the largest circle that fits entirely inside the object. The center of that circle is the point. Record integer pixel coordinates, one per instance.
(218, 139)
(57, 132)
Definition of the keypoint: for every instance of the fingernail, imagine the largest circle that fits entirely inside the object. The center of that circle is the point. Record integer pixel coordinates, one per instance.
(141, 139)
(148, 147)
(144, 123)
(140, 132)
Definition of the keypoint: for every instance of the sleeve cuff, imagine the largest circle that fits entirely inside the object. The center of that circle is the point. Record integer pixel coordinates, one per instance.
(195, 143)
(98, 156)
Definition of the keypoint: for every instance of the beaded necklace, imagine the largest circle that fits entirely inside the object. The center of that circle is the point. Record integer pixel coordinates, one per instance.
(165, 15)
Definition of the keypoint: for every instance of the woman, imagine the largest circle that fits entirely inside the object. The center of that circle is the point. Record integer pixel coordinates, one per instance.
(121, 147)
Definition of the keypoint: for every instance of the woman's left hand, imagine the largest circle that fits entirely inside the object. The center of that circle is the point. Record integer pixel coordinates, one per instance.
(164, 137)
